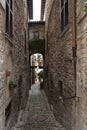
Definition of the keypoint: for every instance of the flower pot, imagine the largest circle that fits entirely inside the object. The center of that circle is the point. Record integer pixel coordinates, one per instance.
(12, 85)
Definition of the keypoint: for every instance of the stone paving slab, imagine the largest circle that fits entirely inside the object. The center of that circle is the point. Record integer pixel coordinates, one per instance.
(38, 115)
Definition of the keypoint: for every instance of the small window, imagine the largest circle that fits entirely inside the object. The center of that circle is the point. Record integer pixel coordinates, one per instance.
(8, 111)
(62, 20)
(9, 17)
(62, 2)
(64, 14)
(25, 48)
(36, 34)
(61, 88)
(11, 5)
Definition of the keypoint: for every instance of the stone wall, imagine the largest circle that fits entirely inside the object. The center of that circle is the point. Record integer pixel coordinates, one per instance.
(59, 65)
(71, 112)
(36, 27)
(2, 69)
(81, 66)
(14, 57)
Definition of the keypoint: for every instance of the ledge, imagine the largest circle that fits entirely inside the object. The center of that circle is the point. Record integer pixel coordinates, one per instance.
(65, 30)
(81, 19)
(9, 39)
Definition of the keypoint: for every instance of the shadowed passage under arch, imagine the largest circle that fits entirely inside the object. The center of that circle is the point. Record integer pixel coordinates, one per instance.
(37, 46)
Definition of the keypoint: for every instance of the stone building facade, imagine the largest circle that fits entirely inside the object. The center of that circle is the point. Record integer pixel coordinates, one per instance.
(36, 30)
(81, 107)
(14, 60)
(66, 63)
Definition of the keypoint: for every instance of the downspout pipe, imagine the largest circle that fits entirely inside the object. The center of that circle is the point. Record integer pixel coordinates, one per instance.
(74, 44)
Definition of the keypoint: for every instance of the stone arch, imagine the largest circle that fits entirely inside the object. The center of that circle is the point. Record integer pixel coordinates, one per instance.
(37, 46)
(33, 54)
(36, 64)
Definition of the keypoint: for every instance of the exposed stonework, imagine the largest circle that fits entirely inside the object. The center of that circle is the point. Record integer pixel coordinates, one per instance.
(59, 65)
(36, 27)
(67, 101)
(14, 57)
(81, 66)
(2, 69)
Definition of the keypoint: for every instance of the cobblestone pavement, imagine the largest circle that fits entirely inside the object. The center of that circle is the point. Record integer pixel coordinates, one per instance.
(37, 115)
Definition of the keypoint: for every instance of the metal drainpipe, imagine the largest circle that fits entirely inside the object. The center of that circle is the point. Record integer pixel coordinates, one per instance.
(74, 44)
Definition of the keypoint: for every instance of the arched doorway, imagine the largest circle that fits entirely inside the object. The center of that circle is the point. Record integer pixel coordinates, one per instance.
(36, 66)
(37, 52)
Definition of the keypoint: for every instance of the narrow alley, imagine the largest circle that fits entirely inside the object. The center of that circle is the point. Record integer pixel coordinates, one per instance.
(37, 115)
(43, 64)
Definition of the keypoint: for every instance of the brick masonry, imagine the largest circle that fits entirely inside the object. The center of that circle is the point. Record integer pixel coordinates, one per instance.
(36, 27)
(81, 66)
(59, 65)
(14, 57)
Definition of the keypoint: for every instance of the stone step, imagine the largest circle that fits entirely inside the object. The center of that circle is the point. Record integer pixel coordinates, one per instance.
(46, 126)
(38, 128)
(37, 115)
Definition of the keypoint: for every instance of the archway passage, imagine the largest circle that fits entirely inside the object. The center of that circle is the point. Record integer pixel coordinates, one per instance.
(37, 46)
(36, 68)
(37, 53)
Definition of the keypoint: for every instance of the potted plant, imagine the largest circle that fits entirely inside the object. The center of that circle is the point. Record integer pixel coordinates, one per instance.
(40, 75)
(12, 84)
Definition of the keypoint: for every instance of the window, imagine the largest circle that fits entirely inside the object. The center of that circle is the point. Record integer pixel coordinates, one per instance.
(64, 14)
(25, 49)
(8, 111)
(61, 88)
(9, 17)
(36, 34)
